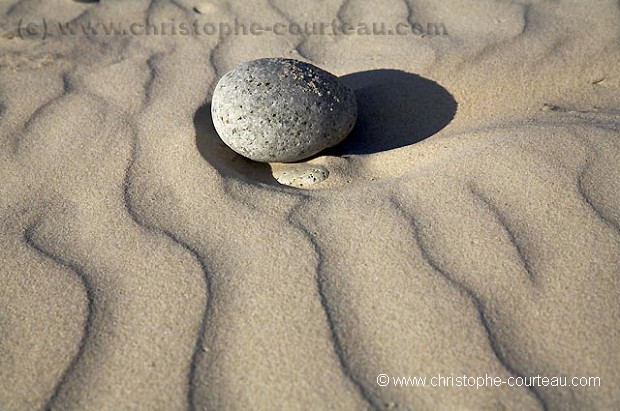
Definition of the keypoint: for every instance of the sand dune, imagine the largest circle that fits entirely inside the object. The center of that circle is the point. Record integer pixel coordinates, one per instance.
(469, 225)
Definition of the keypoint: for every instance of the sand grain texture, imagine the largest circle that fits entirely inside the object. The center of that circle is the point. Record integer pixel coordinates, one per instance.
(470, 224)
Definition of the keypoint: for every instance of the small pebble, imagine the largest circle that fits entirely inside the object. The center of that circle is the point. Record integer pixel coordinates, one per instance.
(281, 110)
(303, 176)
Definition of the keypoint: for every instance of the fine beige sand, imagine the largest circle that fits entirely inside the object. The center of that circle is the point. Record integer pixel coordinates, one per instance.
(470, 225)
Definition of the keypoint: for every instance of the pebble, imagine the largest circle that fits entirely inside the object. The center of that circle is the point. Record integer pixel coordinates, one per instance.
(303, 176)
(281, 110)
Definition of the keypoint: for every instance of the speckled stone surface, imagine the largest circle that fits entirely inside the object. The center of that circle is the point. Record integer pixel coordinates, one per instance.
(283, 110)
(301, 175)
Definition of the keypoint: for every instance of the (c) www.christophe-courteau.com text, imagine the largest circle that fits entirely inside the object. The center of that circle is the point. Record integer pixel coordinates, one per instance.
(44, 28)
(481, 381)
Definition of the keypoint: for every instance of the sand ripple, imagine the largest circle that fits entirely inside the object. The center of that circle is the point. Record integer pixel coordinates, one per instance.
(144, 266)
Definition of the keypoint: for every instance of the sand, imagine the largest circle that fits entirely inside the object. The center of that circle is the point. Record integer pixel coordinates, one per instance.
(470, 225)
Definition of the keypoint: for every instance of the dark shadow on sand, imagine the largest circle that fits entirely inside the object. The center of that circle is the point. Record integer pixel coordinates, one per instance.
(395, 109)
(220, 156)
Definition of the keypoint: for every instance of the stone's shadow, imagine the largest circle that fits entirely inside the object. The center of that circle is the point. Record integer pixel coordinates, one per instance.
(220, 156)
(395, 109)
